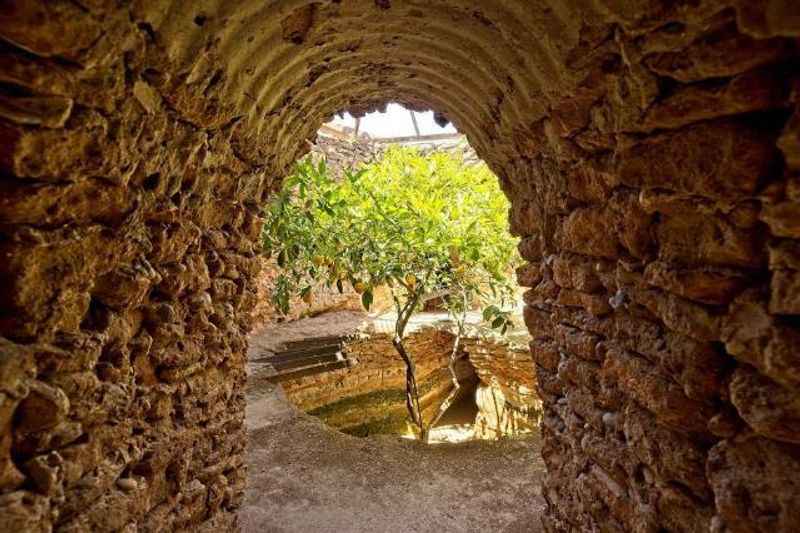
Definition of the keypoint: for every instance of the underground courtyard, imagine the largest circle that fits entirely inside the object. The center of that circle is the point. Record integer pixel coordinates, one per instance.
(650, 152)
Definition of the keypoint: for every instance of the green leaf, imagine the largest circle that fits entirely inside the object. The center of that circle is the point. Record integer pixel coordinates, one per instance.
(490, 311)
(405, 213)
(499, 321)
(366, 299)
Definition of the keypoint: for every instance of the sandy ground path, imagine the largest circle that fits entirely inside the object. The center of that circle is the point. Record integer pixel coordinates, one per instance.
(305, 478)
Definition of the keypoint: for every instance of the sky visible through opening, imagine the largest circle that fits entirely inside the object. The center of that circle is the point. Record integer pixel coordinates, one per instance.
(396, 122)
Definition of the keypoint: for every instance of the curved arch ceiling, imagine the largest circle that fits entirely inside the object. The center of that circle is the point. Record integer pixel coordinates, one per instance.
(278, 69)
(289, 65)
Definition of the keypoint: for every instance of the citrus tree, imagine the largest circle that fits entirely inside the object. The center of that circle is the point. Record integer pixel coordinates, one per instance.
(419, 225)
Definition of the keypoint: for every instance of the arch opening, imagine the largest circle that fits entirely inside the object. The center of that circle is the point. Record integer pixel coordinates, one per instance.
(650, 150)
(447, 233)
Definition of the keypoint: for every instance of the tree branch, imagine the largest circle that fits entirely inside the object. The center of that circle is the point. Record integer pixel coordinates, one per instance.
(412, 392)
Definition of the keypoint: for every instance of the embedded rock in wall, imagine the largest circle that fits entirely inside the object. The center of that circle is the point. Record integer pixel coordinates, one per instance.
(651, 151)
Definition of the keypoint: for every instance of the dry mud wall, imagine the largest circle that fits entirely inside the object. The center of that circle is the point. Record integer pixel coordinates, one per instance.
(652, 153)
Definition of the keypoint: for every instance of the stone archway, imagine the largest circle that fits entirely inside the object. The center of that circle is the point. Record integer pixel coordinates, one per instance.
(651, 152)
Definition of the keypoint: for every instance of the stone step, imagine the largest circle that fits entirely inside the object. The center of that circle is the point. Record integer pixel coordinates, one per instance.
(312, 342)
(305, 371)
(289, 355)
(304, 360)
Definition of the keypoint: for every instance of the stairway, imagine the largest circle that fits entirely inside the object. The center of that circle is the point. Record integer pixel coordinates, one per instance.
(300, 358)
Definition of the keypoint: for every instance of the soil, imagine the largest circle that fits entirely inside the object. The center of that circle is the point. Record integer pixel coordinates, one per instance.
(305, 477)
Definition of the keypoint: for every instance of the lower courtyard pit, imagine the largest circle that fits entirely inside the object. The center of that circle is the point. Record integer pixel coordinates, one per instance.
(340, 367)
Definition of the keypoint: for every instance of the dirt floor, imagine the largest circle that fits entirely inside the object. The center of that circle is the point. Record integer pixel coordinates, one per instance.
(306, 478)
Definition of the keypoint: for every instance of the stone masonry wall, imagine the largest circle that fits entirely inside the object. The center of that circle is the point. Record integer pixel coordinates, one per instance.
(651, 150)
(341, 155)
(323, 299)
(506, 396)
(128, 233)
(506, 366)
(662, 248)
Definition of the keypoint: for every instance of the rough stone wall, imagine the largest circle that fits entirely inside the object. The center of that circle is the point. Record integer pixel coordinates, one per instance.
(128, 228)
(660, 225)
(323, 299)
(368, 397)
(457, 149)
(507, 367)
(506, 397)
(652, 153)
(345, 154)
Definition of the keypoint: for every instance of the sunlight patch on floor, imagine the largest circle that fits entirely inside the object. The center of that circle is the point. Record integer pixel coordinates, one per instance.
(451, 433)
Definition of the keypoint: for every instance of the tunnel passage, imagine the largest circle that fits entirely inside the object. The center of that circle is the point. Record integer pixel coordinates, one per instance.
(652, 153)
